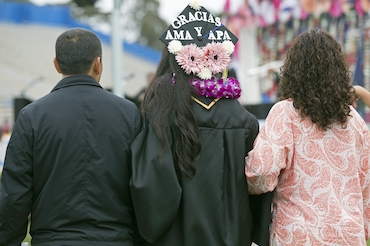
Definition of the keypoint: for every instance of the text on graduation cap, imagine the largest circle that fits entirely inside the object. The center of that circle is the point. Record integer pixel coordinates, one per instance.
(198, 16)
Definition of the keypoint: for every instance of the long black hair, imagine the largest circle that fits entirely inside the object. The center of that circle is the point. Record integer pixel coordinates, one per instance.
(167, 106)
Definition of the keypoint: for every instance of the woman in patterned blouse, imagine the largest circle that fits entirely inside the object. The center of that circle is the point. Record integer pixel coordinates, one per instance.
(314, 150)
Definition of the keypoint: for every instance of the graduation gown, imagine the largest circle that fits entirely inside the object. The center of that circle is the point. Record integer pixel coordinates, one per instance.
(212, 208)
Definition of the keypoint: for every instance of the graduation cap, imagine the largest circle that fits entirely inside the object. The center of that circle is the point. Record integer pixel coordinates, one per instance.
(195, 25)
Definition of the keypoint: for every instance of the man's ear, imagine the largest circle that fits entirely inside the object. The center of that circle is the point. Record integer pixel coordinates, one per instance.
(56, 65)
(97, 66)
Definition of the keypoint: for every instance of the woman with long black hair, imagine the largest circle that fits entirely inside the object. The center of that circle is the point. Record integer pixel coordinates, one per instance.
(188, 183)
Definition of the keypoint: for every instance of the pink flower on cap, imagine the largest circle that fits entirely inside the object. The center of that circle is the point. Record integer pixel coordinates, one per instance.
(190, 58)
(216, 57)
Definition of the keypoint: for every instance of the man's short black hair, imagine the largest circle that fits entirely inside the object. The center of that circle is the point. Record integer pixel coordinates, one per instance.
(76, 50)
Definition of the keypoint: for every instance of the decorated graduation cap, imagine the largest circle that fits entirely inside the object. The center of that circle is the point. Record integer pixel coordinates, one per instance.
(195, 25)
(202, 45)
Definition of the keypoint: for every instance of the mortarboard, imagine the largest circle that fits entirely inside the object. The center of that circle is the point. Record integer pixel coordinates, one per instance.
(198, 27)
(202, 45)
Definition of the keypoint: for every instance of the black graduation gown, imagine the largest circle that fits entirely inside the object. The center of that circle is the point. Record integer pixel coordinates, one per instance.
(212, 208)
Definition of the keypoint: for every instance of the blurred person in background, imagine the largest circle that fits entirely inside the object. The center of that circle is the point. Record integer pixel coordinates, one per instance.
(313, 151)
(139, 97)
(68, 159)
(5, 127)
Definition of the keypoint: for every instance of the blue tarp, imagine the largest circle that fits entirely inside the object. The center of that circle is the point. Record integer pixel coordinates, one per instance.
(27, 13)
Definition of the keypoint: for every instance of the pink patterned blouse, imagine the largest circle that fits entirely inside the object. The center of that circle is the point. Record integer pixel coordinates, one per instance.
(321, 178)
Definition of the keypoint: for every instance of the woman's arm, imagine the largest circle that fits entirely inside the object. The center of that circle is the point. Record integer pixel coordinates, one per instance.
(362, 93)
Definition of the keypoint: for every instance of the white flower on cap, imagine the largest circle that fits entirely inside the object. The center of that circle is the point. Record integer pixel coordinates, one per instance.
(228, 46)
(205, 73)
(174, 46)
(195, 4)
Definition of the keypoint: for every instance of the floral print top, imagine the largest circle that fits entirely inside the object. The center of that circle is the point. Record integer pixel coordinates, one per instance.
(321, 178)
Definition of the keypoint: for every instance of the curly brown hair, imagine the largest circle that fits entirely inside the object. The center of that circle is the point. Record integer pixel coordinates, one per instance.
(316, 76)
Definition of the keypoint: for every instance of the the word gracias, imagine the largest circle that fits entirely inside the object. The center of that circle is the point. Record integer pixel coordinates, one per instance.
(198, 17)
